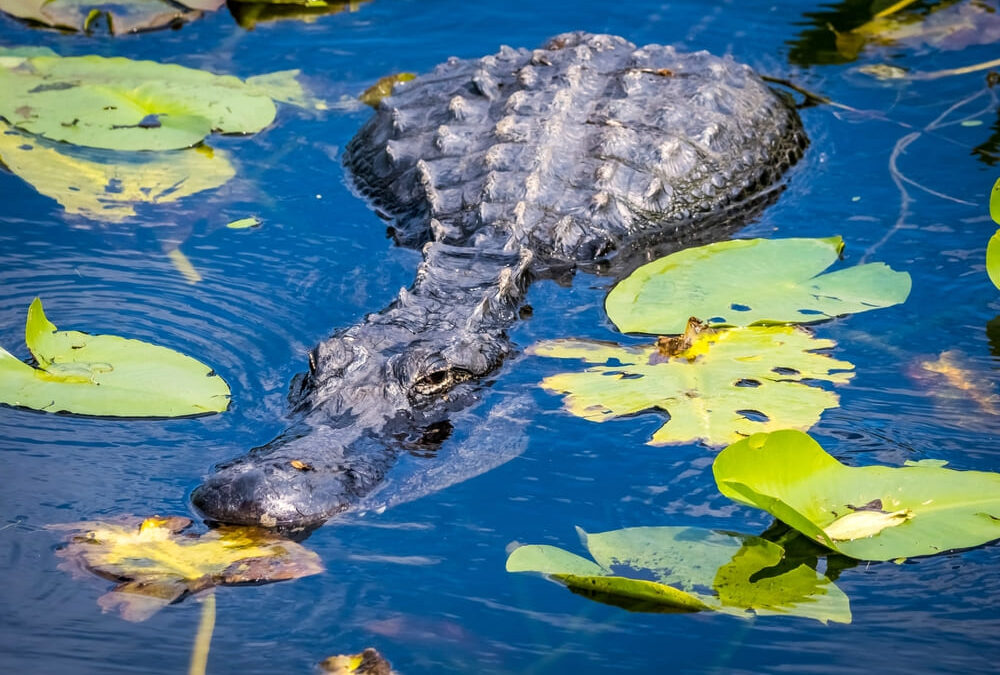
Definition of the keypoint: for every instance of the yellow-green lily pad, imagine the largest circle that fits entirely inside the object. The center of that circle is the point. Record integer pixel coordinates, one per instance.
(106, 375)
(120, 104)
(750, 281)
(689, 569)
(106, 186)
(726, 385)
(868, 512)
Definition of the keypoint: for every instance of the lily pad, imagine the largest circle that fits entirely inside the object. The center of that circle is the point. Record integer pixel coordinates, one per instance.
(689, 569)
(750, 281)
(993, 248)
(106, 375)
(155, 564)
(122, 16)
(904, 512)
(120, 104)
(106, 186)
(726, 385)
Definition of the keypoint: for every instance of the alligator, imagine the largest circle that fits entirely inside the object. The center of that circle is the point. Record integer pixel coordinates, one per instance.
(586, 154)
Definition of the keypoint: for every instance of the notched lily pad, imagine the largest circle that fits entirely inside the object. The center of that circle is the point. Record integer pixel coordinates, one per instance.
(869, 512)
(120, 104)
(121, 16)
(750, 281)
(155, 564)
(993, 248)
(107, 186)
(716, 386)
(106, 375)
(688, 569)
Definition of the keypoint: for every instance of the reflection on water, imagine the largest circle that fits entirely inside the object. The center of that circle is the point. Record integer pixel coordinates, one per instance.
(320, 261)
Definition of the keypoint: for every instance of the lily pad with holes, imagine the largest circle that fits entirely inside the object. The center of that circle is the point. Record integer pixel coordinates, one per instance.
(154, 563)
(688, 569)
(120, 104)
(726, 385)
(121, 16)
(107, 186)
(106, 375)
(750, 281)
(868, 512)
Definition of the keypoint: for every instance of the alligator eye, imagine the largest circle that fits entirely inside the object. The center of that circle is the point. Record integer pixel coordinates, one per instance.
(440, 381)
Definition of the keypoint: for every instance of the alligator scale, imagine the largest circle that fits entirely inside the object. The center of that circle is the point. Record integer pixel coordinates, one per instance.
(515, 166)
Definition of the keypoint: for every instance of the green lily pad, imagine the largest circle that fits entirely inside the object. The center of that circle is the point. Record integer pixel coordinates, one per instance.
(106, 375)
(123, 16)
(120, 104)
(995, 202)
(690, 569)
(870, 512)
(750, 281)
(106, 186)
(726, 385)
(993, 248)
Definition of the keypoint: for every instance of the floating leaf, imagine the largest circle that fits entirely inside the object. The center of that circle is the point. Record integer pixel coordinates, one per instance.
(383, 88)
(244, 223)
(747, 281)
(122, 16)
(106, 375)
(105, 185)
(925, 509)
(728, 384)
(689, 569)
(368, 662)
(155, 564)
(120, 104)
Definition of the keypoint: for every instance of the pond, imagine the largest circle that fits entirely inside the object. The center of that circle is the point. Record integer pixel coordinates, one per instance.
(900, 168)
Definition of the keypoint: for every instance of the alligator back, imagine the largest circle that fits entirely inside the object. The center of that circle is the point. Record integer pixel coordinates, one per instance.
(572, 149)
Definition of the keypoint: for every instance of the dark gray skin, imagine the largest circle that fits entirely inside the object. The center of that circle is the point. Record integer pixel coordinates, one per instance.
(587, 153)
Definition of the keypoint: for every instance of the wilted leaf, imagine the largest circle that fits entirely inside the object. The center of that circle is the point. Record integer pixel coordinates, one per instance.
(865, 523)
(689, 569)
(368, 662)
(155, 564)
(122, 16)
(728, 384)
(925, 509)
(748, 281)
(106, 185)
(383, 88)
(106, 375)
(120, 104)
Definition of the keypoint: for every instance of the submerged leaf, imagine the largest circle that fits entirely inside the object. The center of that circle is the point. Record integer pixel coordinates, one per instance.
(689, 569)
(107, 186)
(368, 662)
(155, 564)
(750, 281)
(106, 375)
(120, 104)
(924, 509)
(726, 385)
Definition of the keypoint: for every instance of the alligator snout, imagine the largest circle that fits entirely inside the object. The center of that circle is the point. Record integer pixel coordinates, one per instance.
(300, 479)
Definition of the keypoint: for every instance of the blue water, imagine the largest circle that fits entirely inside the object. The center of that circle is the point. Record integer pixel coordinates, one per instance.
(424, 582)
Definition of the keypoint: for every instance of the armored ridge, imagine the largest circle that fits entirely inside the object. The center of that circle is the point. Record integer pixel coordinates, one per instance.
(503, 169)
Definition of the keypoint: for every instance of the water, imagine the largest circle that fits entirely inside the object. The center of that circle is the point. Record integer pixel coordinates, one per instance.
(424, 582)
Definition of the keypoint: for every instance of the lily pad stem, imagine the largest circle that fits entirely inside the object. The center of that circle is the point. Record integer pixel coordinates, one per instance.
(203, 640)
